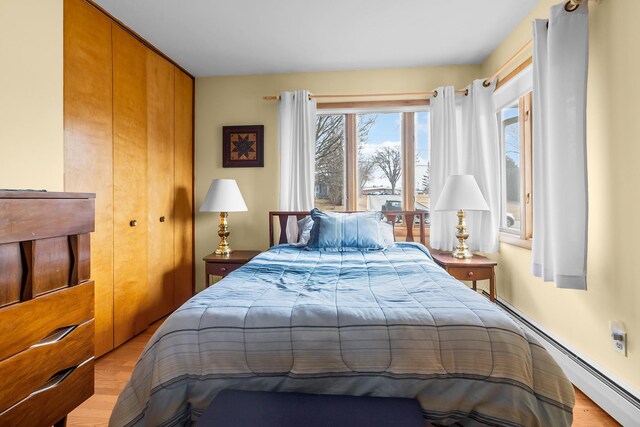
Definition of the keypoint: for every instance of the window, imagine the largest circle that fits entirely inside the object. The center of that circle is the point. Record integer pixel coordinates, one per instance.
(422, 165)
(372, 159)
(514, 122)
(330, 162)
(379, 161)
(510, 132)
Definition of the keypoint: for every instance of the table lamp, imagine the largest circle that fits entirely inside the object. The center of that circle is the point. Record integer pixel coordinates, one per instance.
(224, 197)
(460, 193)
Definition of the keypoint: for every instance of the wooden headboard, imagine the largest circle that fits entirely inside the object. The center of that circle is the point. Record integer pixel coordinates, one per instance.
(399, 219)
(46, 306)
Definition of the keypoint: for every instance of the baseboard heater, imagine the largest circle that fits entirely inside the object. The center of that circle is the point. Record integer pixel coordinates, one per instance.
(616, 399)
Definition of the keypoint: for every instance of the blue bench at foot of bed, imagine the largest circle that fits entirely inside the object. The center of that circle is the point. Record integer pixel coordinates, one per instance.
(234, 408)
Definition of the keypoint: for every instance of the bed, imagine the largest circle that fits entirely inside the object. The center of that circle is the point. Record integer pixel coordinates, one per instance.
(378, 323)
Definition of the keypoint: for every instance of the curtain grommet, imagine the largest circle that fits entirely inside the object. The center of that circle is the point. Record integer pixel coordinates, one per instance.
(570, 7)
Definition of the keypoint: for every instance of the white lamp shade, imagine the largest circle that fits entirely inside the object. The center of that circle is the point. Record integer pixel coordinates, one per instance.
(223, 196)
(461, 192)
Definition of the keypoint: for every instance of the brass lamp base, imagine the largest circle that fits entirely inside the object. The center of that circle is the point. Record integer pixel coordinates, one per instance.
(462, 250)
(223, 232)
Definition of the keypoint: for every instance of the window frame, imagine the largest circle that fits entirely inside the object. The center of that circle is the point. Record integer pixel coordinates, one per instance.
(514, 86)
(525, 121)
(350, 110)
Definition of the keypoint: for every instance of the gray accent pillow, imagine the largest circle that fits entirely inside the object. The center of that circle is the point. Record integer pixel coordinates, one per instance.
(304, 231)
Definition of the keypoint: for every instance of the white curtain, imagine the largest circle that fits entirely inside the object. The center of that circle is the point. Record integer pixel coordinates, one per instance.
(445, 161)
(297, 154)
(560, 204)
(481, 158)
(464, 139)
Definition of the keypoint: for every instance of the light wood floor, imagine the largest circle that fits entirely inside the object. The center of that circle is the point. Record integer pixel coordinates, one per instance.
(114, 369)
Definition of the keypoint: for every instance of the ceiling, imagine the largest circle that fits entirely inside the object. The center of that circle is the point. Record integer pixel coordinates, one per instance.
(215, 37)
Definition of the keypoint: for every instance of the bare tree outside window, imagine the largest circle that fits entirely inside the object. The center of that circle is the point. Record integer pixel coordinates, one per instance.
(366, 169)
(330, 154)
(330, 159)
(389, 160)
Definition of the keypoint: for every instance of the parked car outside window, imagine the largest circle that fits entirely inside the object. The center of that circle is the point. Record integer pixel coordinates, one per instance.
(396, 205)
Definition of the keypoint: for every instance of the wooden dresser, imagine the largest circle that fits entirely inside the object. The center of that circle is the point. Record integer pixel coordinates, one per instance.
(46, 306)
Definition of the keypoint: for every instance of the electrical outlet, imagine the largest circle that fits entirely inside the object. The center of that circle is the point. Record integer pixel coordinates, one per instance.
(620, 343)
(618, 337)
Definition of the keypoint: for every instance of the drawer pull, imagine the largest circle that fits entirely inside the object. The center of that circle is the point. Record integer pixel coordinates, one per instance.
(133, 223)
(470, 274)
(55, 380)
(55, 336)
(162, 219)
(223, 269)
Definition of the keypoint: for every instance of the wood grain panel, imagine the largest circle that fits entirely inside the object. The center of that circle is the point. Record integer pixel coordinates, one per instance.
(48, 265)
(161, 147)
(43, 218)
(12, 270)
(49, 406)
(129, 186)
(81, 250)
(88, 142)
(40, 362)
(183, 205)
(45, 316)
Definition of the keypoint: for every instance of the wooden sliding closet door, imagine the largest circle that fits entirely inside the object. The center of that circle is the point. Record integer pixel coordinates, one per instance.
(87, 137)
(129, 186)
(183, 208)
(160, 153)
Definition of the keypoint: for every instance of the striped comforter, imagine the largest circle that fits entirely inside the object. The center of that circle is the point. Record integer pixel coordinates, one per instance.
(388, 323)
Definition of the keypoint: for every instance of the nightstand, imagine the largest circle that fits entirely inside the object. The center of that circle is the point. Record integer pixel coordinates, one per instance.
(221, 265)
(470, 270)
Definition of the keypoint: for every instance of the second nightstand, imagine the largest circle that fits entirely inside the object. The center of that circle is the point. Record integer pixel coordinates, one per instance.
(470, 270)
(221, 265)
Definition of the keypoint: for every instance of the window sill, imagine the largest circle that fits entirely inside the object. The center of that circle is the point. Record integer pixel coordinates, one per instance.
(511, 239)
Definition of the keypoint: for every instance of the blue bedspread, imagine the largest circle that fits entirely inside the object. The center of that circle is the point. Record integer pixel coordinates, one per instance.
(386, 323)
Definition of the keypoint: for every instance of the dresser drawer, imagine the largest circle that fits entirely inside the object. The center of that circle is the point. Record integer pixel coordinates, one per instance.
(40, 218)
(222, 269)
(23, 325)
(471, 273)
(30, 369)
(54, 400)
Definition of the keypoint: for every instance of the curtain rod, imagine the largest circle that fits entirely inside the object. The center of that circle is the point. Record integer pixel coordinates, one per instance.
(570, 6)
(515, 56)
(365, 95)
(427, 93)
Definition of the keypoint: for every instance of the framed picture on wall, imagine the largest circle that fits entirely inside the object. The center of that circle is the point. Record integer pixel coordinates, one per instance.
(243, 146)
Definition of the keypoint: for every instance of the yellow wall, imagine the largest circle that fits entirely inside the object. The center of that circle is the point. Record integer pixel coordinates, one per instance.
(31, 128)
(580, 318)
(237, 100)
